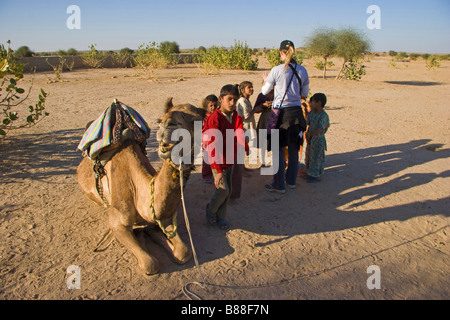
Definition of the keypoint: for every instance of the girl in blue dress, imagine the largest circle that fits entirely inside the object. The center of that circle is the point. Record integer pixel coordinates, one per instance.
(318, 123)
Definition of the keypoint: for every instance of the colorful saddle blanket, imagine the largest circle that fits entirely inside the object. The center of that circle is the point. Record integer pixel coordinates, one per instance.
(106, 130)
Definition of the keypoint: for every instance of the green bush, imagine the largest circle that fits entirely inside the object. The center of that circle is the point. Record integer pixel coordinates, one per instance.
(61, 53)
(72, 52)
(169, 46)
(23, 51)
(353, 70)
(320, 66)
(392, 64)
(237, 57)
(414, 56)
(402, 57)
(123, 58)
(153, 56)
(126, 51)
(392, 53)
(94, 58)
(57, 68)
(200, 49)
(273, 56)
(433, 62)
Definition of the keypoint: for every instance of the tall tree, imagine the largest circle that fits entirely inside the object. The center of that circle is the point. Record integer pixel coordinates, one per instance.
(322, 43)
(351, 44)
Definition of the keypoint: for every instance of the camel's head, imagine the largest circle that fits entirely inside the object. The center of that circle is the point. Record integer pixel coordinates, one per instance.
(176, 117)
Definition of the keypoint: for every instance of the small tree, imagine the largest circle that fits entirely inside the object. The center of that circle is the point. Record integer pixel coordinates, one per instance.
(402, 55)
(322, 43)
(392, 53)
(433, 62)
(351, 44)
(152, 56)
(200, 49)
(273, 56)
(94, 58)
(238, 57)
(72, 52)
(169, 46)
(23, 51)
(11, 95)
(57, 68)
(123, 58)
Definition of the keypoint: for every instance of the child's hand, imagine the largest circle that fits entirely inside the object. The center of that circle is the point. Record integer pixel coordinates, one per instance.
(218, 180)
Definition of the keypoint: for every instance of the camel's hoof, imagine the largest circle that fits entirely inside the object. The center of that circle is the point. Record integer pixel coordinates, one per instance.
(149, 266)
(182, 256)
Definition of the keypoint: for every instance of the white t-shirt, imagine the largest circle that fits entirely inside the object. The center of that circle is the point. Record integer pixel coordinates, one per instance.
(280, 78)
(243, 108)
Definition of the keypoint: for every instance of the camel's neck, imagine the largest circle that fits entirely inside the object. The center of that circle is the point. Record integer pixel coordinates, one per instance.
(165, 184)
(167, 191)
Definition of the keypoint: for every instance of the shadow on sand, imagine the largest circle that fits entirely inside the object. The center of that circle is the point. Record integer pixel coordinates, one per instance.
(39, 156)
(415, 83)
(342, 195)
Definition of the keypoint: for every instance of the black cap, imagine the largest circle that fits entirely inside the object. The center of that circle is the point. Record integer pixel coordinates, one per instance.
(286, 44)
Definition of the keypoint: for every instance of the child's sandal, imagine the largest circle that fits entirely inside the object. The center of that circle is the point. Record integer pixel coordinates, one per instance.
(223, 224)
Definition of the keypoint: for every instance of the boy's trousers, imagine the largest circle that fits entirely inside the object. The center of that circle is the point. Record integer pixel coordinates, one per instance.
(219, 201)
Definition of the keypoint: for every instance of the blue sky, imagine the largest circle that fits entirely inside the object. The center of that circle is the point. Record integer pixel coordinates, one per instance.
(412, 26)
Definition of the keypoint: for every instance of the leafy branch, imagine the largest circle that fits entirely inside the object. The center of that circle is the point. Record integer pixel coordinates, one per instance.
(12, 95)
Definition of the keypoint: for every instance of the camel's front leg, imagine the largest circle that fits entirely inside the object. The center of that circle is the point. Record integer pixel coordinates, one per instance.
(176, 246)
(124, 234)
(180, 251)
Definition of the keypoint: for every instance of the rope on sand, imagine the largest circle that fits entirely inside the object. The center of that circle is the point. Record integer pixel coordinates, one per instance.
(185, 289)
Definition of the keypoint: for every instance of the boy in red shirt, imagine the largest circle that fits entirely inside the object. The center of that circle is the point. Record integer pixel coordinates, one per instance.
(223, 125)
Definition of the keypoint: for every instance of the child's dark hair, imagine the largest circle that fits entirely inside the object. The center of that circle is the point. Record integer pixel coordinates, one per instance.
(230, 89)
(243, 85)
(320, 97)
(211, 98)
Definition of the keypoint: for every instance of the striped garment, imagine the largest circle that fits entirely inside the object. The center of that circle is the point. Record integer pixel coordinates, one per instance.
(99, 135)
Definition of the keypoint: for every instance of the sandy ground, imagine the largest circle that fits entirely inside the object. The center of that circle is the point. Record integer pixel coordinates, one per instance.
(383, 200)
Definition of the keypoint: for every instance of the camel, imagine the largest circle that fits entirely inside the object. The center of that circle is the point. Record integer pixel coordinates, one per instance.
(138, 195)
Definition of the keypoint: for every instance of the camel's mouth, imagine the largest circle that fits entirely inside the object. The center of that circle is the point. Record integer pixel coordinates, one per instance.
(166, 147)
(165, 150)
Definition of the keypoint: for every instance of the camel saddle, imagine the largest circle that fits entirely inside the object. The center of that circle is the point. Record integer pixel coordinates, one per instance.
(108, 131)
(118, 124)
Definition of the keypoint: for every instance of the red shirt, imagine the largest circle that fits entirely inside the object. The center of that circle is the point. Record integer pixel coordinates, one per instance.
(217, 154)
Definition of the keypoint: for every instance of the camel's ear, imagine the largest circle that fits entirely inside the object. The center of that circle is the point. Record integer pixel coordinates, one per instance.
(169, 104)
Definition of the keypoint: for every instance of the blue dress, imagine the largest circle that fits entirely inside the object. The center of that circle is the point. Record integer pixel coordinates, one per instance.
(315, 150)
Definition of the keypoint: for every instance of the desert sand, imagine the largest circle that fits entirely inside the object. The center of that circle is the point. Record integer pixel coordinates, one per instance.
(383, 200)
